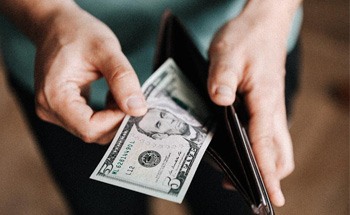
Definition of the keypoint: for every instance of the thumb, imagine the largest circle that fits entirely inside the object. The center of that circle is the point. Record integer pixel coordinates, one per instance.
(123, 83)
(224, 73)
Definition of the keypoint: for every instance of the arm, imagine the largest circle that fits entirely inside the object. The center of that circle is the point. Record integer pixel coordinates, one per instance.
(31, 15)
(73, 50)
(248, 55)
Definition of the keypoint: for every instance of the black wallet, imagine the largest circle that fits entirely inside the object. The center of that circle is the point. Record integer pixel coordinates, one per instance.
(230, 147)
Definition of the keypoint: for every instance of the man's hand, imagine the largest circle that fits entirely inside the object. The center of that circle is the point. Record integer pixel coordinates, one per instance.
(75, 50)
(248, 55)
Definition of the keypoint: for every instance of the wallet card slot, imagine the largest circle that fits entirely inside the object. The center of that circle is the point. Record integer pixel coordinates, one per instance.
(222, 151)
(253, 174)
(232, 129)
(231, 176)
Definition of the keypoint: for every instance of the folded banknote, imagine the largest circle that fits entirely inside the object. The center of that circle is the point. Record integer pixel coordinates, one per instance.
(158, 153)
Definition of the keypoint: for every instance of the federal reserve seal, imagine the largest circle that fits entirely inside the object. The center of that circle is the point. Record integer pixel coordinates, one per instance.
(149, 158)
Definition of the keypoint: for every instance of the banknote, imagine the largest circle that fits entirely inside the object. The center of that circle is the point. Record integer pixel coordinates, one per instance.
(158, 154)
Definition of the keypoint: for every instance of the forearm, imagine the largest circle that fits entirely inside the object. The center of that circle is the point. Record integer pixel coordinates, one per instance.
(282, 11)
(285, 8)
(33, 16)
(271, 16)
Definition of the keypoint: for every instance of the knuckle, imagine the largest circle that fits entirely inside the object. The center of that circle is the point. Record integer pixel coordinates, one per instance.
(286, 168)
(89, 135)
(221, 67)
(220, 46)
(41, 114)
(225, 70)
(119, 74)
(289, 168)
(104, 43)
(40, 99)
(41, 106)
(59, 95)
(43, 94)
(264, 141)
(104, 48)
(103, 141)
(87, 138)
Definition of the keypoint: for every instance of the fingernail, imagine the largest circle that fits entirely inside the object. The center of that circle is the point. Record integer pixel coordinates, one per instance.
(224, 91)
(136, 103)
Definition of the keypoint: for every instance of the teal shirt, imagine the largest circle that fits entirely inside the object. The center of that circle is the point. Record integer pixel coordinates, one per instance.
(136, 25)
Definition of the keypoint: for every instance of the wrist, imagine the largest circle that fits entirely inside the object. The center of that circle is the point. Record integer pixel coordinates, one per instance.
(270, 16)
(275, 11)
(31, 16)
(285, 9)
(50, 20)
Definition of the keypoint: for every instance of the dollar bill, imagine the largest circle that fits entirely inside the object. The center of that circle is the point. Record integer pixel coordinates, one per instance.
(158, 154)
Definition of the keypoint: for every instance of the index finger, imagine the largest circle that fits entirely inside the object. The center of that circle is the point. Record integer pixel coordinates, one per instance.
(262, 101)
(89, 125)
(123, 82)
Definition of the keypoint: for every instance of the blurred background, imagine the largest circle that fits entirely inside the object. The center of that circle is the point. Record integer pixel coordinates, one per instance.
(320, 131)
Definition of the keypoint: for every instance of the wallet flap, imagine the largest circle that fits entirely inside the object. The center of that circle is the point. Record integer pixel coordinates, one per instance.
(230, 146)
(262, 204)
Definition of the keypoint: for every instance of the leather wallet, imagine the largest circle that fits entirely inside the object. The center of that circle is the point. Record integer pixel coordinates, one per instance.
(230, 147)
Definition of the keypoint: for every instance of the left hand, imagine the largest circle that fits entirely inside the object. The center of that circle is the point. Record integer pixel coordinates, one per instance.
(73, 50)
(248, 55)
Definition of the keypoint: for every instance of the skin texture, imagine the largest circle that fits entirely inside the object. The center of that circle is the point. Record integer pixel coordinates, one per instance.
(247, 55)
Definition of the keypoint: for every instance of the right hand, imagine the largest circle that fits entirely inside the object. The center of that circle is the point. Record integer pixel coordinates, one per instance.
(74, 50)
(248, 55)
